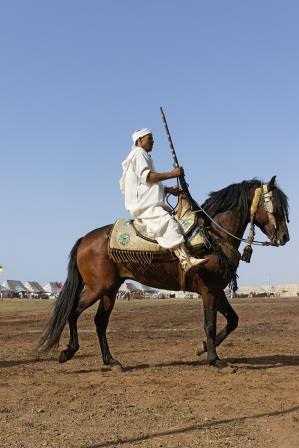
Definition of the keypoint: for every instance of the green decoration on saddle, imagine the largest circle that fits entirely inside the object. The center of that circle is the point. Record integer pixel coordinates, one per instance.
(124, 238)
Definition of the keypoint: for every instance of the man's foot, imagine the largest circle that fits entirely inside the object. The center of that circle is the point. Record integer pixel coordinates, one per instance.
(192, 263)
(187, 262)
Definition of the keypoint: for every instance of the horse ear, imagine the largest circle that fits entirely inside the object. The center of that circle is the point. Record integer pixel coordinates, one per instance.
(271, 184)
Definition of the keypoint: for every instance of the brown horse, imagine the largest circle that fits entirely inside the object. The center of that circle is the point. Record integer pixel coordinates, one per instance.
(93, 275)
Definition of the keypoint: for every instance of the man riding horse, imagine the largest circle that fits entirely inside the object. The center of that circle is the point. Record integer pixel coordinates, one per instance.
(95, 275)
(145, 198)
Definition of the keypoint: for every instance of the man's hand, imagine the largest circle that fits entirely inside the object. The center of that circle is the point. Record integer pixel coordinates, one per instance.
(173, 190)
(177, 172)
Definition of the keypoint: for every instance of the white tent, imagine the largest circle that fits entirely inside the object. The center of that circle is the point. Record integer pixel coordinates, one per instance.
(147, 288)
(3, 289)
(127, 286)
(287, 290)
(15, 286)
(34, 287)
(53, 288)
(254, 291)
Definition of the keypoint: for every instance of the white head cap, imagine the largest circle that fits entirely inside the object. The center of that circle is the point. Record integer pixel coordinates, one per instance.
(140, 133)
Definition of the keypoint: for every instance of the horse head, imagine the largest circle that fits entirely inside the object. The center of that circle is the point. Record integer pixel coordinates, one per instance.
(271, 214)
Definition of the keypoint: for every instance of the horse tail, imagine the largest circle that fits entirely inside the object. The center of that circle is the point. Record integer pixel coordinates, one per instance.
(67, 301)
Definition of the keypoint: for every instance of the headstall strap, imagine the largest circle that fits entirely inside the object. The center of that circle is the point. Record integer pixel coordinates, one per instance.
(247, 252)
(268, 204)
(267, 196)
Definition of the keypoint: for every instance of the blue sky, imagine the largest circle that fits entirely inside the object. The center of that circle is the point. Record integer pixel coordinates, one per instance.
(77, 77)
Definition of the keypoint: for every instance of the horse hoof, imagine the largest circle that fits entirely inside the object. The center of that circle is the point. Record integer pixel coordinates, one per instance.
(116, 366)
(67, 354)
(224, 367)
(201, 349)
(112, 365)
(63, 357)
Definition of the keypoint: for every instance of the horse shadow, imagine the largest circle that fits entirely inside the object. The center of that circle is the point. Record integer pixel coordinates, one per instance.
(160, 365)
(136, 367)
(250, 363)
(35, 360)
(245, 363)
(265, 362)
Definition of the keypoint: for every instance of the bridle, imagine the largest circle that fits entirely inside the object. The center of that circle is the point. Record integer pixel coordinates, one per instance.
(261, 197)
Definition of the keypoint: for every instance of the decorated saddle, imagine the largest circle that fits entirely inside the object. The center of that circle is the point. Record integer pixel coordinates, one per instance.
(130, 241)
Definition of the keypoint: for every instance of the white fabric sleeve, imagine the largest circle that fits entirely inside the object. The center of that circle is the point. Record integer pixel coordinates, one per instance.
(142, 167)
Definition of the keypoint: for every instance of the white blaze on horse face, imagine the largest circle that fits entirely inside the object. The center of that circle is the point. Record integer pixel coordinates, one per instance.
(268, 206)
(267, 197)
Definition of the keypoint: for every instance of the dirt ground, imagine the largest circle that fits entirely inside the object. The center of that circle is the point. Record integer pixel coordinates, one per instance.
(166, 396)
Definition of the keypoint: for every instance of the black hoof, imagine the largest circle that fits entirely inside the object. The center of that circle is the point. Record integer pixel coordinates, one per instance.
(63, 357)
(114, 365)
(222, 366)
(66, 355)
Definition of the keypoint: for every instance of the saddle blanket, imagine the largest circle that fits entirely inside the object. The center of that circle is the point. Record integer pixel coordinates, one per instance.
(126, 237)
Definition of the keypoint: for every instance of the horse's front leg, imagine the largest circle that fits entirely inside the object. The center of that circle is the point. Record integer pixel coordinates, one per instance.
(210, 322)
(210, 304)
(225, 308)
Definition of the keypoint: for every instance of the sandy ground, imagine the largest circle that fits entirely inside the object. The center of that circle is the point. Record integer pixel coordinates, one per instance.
(166, 396)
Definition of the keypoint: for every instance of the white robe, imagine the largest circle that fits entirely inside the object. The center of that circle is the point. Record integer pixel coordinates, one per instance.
(146, 201)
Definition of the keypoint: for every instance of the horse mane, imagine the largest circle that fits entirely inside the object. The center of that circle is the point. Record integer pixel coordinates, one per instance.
(280, 199)
(235, 197)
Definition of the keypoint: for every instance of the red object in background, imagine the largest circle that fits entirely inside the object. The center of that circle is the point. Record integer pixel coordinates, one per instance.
(136, 295)
(59, 285)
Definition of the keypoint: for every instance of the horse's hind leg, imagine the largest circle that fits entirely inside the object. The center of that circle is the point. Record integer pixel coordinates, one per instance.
(225, 308)
(73, 345)
(87, 298)
(101, 320)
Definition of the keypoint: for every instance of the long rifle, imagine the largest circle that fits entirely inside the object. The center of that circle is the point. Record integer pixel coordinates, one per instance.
(182, 180)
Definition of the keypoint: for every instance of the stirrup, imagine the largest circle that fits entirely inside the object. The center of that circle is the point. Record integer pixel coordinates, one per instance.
(192, 263)
(186, 261)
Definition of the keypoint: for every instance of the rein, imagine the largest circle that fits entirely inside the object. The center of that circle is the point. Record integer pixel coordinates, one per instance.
(255, 242)
(173, 208)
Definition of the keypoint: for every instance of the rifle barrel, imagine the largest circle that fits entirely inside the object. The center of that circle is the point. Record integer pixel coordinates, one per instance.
(175, 159)
(184, 185)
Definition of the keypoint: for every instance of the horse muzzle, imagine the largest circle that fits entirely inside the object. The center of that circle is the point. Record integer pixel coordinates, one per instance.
(279, 239)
